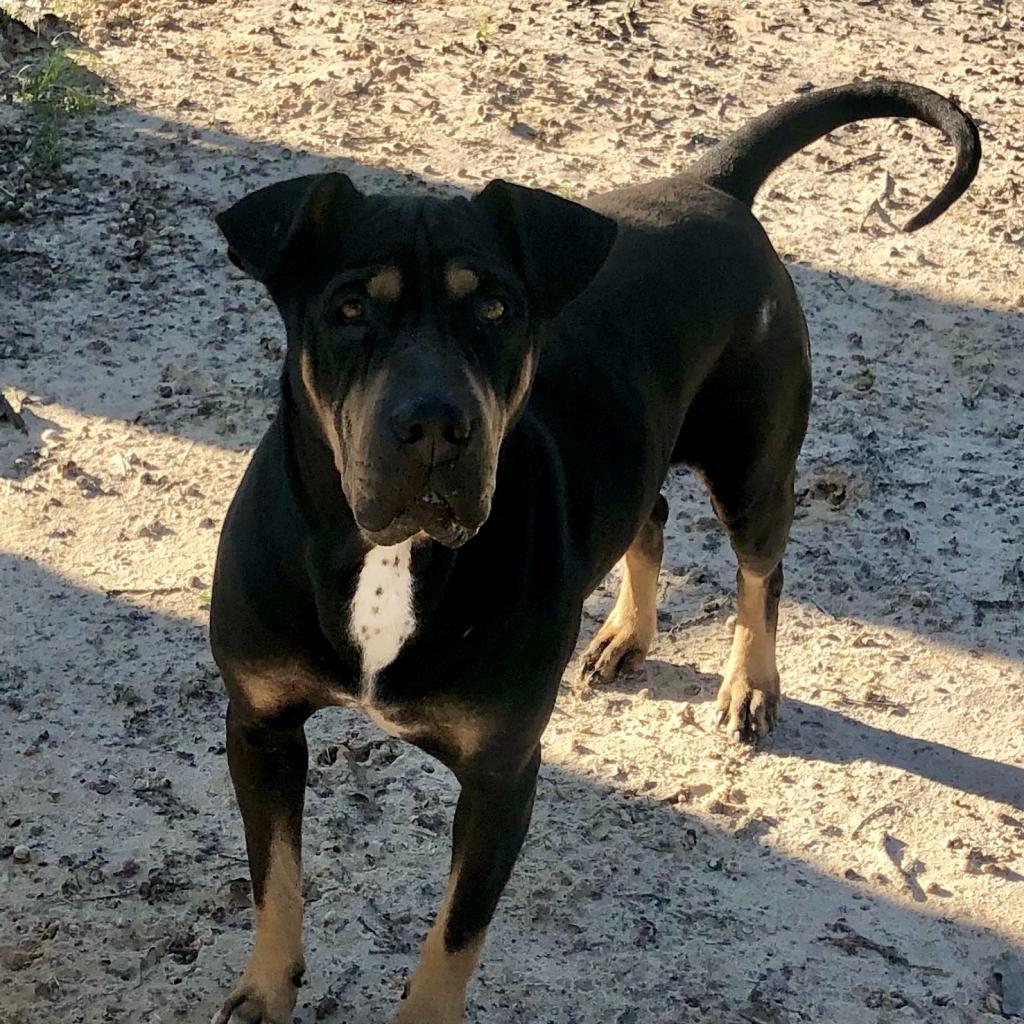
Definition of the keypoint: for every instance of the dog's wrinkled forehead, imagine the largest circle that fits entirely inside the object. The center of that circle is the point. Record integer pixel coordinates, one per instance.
(292, 235)
(416, 241)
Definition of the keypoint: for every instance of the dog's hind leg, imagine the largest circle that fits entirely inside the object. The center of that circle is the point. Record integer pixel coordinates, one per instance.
(743, 434)
(752, 495)
(622, 643)
(749, 697)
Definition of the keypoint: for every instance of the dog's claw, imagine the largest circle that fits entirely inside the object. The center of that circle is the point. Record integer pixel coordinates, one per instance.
(223, 1015)
(750, 711)
(249, 1004)
(610, 656)
(228, 1007)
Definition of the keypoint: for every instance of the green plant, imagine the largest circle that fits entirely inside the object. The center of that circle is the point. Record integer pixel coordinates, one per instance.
(568, 192)
(485, 27)
(56, 89)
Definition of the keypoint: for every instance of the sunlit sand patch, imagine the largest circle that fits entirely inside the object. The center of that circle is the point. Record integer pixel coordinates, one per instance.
(879, 786)
(118, 509)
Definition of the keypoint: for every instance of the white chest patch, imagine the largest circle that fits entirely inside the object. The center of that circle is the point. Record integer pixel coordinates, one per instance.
(381, 616)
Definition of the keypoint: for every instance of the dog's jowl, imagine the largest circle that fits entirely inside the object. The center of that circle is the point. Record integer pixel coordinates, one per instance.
(493, 389)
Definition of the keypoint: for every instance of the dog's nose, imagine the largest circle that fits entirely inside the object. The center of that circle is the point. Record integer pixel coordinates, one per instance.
(433, 430)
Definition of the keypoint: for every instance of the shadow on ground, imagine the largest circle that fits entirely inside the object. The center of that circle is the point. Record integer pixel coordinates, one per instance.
(678, 920)
(816, 733)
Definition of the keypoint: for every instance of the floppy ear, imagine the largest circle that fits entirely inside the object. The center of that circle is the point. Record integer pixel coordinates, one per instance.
(261, 227)
(558, 245)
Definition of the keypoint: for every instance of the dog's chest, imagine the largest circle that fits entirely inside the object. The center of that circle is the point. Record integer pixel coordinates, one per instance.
(381, 615)
(382, 619)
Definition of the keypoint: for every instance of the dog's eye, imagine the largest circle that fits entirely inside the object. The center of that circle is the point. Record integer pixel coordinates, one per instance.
(491, 311)
(349, 310)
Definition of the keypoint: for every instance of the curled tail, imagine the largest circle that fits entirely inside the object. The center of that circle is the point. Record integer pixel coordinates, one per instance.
(740, 164)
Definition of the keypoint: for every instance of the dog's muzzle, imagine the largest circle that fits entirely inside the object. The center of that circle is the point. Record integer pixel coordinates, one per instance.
(429, 475)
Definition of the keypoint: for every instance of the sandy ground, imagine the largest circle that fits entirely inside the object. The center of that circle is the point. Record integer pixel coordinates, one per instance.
(864, 866)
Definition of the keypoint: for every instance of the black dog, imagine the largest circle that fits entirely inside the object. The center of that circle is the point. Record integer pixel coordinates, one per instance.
(480, 402)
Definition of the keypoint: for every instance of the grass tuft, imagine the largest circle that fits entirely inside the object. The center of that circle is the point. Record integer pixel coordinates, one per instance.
(485, 27)
(56, 90)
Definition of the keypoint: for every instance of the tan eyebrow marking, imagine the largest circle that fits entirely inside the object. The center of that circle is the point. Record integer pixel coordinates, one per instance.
(385, 285)
(460, 282)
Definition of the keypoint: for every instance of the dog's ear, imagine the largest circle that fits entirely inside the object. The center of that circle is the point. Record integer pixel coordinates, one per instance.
(262, 227)
(558, 245)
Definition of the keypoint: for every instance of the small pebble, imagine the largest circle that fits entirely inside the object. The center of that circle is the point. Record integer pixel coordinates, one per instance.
(21, 854)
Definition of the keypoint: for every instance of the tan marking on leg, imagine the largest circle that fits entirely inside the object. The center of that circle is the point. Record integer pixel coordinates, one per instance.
(267, 693)
(268, 984)
(461, 282)
(278, 920)
(267, 688)
(749, 697)
(451, 725)
(622, 643)
(437, 988)
(385, 285)
(753, 645)
(461, 730)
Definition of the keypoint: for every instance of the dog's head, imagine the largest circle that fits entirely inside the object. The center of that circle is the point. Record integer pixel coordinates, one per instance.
(412, 329)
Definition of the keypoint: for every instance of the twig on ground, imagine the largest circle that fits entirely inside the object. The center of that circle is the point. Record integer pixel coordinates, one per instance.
(147, 591)
(878, 812)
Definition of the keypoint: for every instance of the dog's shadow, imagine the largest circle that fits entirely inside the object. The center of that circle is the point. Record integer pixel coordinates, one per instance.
(659, 680)
(605, 873)
(814, 732)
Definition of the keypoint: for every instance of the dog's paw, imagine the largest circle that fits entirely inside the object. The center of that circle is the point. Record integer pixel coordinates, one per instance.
(616, 650)
(250, 1007)
(410, 1015)
(429, 1011)
(747, 710)
(254, 1003)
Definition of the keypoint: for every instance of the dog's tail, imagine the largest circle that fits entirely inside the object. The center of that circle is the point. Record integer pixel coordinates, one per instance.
(740, 164)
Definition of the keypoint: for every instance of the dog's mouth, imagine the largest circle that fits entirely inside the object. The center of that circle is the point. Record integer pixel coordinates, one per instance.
(431, 513)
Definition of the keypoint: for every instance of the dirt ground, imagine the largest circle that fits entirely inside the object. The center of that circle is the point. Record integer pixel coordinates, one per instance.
(864, 866)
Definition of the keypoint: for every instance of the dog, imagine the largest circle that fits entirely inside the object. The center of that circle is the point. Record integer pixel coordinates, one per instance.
(480, 402)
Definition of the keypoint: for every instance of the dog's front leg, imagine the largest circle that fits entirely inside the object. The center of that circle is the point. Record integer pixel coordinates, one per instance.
(268, 761)
(491, 820)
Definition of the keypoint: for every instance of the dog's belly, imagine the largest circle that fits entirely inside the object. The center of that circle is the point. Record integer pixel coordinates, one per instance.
(381, 615)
